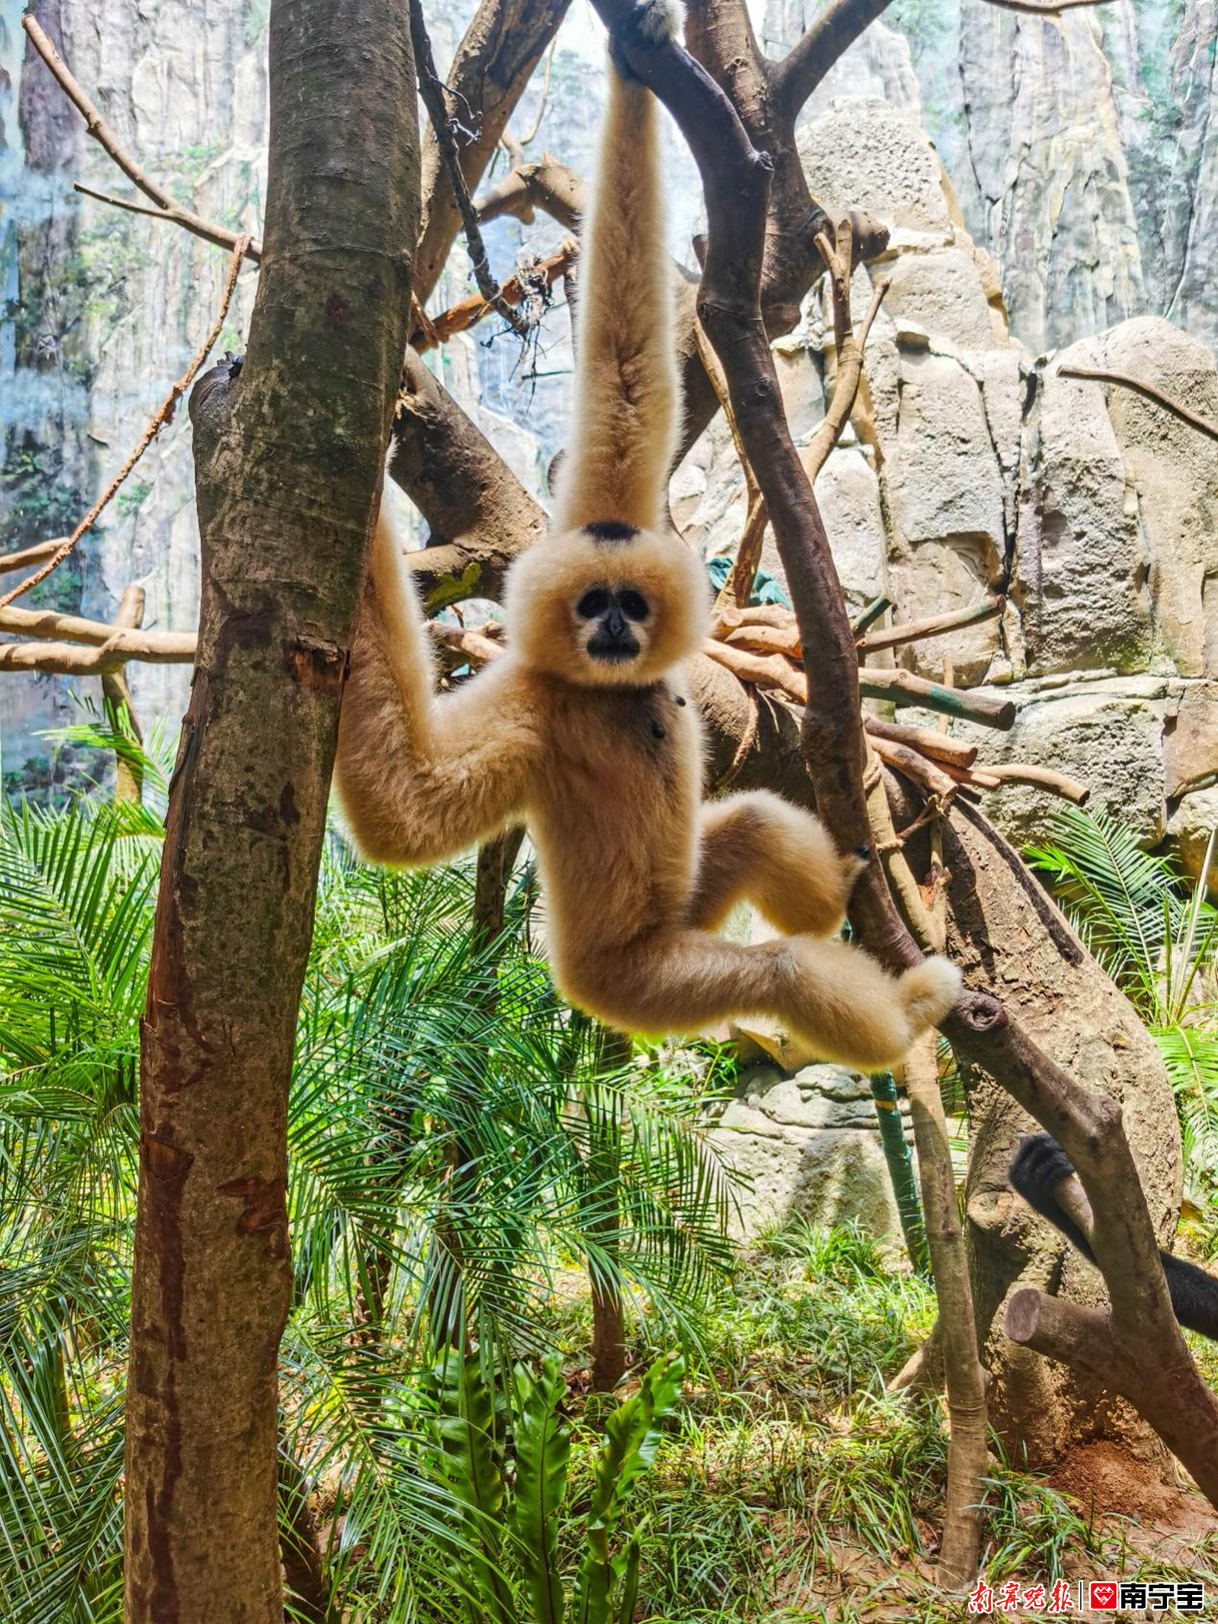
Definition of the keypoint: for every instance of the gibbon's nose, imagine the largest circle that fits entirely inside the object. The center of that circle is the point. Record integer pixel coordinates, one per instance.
(614, 623)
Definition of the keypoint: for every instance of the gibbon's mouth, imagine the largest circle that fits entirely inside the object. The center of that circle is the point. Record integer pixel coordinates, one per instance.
(613, 650)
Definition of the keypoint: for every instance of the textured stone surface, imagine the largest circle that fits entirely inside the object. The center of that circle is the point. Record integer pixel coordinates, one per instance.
(808, 1146)
(1193, 821)
(1083, 147)
(1107, 731)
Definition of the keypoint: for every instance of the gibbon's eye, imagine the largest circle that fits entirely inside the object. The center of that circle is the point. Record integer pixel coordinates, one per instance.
(592, 603)
(634, 605)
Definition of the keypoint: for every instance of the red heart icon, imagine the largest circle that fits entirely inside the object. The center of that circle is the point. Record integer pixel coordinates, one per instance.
(1103, 1594)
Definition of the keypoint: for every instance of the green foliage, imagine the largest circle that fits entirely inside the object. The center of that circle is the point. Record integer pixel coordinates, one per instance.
(438, 1159)
(520, 1582)
(132, 497)
(1157, 935)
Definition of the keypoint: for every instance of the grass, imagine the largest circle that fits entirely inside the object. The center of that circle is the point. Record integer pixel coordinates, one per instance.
(791, 1488)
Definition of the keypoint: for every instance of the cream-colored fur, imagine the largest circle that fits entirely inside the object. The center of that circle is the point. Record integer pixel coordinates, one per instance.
(624, 431)
(603, 760)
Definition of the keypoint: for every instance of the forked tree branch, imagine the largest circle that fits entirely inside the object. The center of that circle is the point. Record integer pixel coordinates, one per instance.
(435, 94)
(167, 206)
(492, 66)
(546, 185)
(735, 177)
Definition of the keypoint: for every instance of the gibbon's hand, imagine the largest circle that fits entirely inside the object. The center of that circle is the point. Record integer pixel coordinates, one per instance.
(1040, 1164)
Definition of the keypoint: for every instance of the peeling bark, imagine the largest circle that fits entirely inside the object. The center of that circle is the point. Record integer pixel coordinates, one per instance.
(288, 463)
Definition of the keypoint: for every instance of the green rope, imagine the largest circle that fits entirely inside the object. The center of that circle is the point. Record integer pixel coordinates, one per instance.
(900, 1168)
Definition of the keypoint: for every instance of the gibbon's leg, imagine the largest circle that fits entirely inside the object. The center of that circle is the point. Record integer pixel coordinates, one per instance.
(836, 997)
(419, 778)
(1040, 1164)
(781, 858)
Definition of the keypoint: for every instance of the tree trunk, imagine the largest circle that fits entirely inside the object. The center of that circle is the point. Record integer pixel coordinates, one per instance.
(967, 1453)
(1007, 935)
(289, 456)
(604, 1178)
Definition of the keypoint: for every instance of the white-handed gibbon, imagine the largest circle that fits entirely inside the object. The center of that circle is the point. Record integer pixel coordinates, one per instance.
(581, 728)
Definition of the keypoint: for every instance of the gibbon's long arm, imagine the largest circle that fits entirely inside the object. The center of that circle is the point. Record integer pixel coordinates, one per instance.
(624, 432)
(1040, 1164)
(422, 777)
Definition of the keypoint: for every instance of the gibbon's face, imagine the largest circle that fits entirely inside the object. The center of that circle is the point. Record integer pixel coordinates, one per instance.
(607, 605)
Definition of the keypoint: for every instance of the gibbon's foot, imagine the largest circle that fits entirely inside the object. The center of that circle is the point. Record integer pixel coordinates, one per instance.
(849, 1009)
(930, 991)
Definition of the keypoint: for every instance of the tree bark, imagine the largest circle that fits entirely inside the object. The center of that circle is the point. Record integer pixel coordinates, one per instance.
(960, 1551)
(493, 64)
(288, 463)
(1007, 935)
(1089, 1127)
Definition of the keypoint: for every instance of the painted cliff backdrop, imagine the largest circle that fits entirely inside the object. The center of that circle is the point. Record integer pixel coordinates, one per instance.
(1051, 182)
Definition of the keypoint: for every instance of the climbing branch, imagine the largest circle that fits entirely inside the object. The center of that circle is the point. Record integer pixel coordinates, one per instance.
(735, 179)
(547, 185)
(432, 90)
(163, 415)
(490, 69)
(917, 631)
(1125, 380)
(167, 206)
(525, 285)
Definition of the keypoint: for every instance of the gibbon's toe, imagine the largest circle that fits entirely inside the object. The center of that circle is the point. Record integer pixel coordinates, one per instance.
(929, 991)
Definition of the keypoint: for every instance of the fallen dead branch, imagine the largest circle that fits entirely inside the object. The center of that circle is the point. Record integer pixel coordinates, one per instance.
(163, 415)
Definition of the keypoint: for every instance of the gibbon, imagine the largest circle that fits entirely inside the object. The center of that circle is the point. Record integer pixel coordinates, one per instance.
(582, 729)
(1038, 1167)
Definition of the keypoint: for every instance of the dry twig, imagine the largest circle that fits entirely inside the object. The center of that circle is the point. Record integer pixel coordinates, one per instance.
(1126, 380)
(167, 206)
(164, 414)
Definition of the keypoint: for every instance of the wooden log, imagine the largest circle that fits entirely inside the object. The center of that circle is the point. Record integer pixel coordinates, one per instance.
(903, 688)
(916, 631)
(938, 746)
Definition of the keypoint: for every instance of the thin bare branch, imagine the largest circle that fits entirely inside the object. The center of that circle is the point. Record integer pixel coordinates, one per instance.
(158, 647)
(167, 206)
(163, 415)
(1125, 380)
(30, 555)
(468, 312)
(490, 70)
